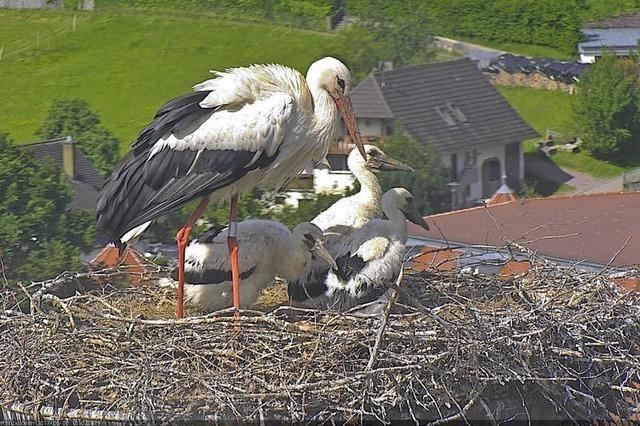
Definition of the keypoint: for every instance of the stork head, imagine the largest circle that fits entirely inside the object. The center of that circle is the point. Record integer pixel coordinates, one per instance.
(333, 76)
(376, 160)
(400, 198)
(312, 240)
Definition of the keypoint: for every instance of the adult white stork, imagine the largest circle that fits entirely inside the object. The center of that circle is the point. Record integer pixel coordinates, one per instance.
(369, 259)
(356, 210)
(248, 126)
(268, 249)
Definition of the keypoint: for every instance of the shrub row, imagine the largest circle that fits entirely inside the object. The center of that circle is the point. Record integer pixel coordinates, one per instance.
(542, 22)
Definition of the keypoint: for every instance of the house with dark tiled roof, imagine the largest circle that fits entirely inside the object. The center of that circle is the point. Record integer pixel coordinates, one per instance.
(85, 180)
(453, 106)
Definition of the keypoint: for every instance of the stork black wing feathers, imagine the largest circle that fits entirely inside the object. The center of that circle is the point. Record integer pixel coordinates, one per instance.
(208, 236)
(211, 276)
(314, 284)
(348, 266)
(138, 192)
(173, 115)
(142, 189)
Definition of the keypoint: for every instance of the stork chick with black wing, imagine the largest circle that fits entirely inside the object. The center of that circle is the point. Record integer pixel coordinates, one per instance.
(368, 260)
(269, 249)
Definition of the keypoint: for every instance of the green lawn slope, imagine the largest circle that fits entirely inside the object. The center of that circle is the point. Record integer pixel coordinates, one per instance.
(127, 65)
(548, 109)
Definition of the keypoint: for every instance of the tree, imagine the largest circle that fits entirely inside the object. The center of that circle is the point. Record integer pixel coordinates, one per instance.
(39, 238)
(361, 50)
(400, 30)
(73, 117)
(428, 181)
(606, 106)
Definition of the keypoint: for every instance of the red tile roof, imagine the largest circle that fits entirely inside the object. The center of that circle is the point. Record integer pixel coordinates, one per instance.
(591, 228)
(135, 265)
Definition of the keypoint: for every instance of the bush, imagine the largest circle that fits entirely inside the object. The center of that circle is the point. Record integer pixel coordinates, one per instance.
(429, 180)
(401, 30)
(73, 117)
(606, 107)
(39, 238)
(544, 22)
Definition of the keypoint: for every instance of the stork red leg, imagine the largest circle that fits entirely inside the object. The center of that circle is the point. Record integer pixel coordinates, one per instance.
(182, 238)
(232, 243)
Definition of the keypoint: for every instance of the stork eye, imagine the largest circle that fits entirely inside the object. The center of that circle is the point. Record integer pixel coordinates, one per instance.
(341, 83)
(309, 240)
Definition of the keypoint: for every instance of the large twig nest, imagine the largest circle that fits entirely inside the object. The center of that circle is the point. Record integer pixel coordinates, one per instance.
(563, 346)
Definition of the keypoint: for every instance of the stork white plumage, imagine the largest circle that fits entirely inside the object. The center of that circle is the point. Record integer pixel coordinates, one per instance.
(354, 211)
(269, 249)
(258, 125)
(368, 260)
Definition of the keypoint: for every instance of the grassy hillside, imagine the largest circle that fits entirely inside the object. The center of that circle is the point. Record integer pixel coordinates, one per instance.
(126, 66)
(546, 109)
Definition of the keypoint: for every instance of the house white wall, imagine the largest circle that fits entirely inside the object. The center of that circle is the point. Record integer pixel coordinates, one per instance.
(587, 59)
(371, 127)
(472, 176)
(328, 181)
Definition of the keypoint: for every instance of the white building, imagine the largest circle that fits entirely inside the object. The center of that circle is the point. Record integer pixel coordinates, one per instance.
(617, 41)
(618, 35)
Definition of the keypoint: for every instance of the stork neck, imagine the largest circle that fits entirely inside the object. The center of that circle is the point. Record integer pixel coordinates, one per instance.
(326, 112)
(369, 186)
(399, 220)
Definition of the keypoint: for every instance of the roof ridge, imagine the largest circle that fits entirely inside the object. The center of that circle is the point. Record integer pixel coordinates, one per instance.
(421, 66)
(581, 195)
(44, 142)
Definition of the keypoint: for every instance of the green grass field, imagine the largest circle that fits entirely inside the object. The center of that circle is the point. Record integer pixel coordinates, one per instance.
(547, 109)
(542, 109)
(126, 66)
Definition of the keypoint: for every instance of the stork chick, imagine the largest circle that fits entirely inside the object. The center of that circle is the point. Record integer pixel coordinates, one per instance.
(268, 249)
(354, 211)
(368, 260)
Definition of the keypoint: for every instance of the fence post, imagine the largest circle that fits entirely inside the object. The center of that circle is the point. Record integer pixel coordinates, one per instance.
(75, 22)
(38, 38)
(1, 52)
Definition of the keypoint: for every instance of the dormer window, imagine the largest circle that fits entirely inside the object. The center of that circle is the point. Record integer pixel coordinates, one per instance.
(448, 118)
(457, 112)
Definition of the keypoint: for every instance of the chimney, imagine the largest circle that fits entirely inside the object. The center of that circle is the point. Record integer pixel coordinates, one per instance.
(68, 157)
(385, 65)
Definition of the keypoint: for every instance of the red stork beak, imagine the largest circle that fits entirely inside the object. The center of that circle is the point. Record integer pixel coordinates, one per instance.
(346, 109)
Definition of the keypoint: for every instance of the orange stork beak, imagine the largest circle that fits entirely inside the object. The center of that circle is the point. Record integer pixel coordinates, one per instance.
(346, 109)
